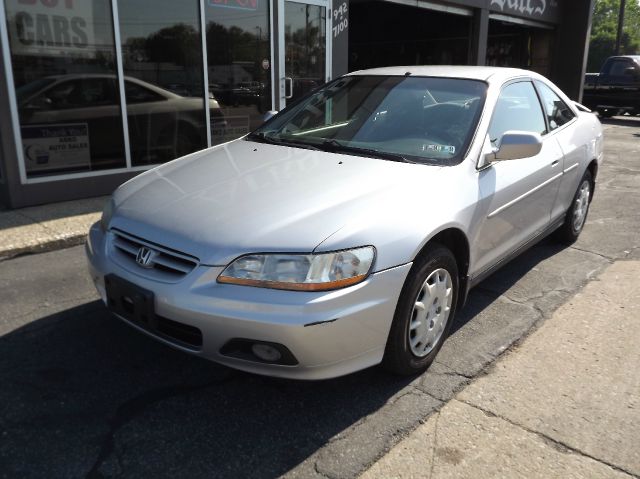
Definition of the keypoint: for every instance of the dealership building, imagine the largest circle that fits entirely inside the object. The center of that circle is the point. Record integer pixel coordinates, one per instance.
(93, 92)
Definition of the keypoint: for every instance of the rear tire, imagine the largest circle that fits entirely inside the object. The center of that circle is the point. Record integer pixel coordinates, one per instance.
(576, 215)
(424, 314)
(607, 112)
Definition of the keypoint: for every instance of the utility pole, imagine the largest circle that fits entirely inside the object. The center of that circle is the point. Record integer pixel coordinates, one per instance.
(620, 25)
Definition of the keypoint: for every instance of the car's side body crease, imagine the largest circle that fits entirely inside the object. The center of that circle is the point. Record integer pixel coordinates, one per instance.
(523, 196)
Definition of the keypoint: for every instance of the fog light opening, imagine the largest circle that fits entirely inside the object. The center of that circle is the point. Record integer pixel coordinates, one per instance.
(259, 351)
(265, 352)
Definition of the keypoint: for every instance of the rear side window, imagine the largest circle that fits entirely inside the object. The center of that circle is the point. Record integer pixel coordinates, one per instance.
(517, 108)
(617, 67)
(557, 111)
(139, 94)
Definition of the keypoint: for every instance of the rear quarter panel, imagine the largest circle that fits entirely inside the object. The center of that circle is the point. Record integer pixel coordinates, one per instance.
(581, 143)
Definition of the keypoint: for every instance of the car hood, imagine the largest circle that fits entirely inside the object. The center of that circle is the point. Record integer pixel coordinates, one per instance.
(247, 197)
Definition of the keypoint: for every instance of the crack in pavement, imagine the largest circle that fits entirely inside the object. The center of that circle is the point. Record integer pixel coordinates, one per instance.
(134, 407)
(435, 445)
(363, 420)
(556, 444)
(319, 472)
(628, 253)
(603, 256)
(451, 371)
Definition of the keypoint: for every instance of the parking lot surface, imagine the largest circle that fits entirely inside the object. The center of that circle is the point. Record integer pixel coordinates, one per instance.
(84, 395)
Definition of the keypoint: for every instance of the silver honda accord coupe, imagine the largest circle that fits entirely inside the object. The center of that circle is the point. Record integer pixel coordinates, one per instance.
(348, 229)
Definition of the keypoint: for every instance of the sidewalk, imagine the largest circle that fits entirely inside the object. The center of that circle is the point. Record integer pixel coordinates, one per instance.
(47, 227)
(565, 404)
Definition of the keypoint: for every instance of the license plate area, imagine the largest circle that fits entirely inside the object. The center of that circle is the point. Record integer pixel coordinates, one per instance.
(130, 301)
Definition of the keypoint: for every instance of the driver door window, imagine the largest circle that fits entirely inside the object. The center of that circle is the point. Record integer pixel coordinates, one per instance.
(518, 109)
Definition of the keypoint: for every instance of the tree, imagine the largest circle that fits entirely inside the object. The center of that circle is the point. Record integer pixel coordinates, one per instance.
(604, 28)
(179, 44)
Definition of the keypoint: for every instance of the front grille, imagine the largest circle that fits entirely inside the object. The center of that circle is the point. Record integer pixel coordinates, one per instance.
(165, 265)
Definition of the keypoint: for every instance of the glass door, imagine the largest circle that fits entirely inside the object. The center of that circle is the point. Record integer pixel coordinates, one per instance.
(304, 43)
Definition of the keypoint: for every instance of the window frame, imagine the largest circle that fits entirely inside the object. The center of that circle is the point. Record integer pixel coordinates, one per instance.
(551, 132)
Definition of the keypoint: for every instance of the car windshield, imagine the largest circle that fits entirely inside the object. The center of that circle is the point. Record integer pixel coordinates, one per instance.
(404, 118)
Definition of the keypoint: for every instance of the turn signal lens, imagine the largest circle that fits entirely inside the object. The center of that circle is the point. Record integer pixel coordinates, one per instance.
(301, 272)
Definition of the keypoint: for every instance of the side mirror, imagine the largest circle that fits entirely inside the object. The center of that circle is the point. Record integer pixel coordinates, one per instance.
(517, 144)
(268, 115)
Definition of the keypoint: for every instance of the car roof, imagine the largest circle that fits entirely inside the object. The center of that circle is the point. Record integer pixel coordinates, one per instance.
(635, 58)
(74, 76)
(487, 74)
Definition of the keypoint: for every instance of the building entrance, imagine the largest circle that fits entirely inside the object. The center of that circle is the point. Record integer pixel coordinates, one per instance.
(385, 34)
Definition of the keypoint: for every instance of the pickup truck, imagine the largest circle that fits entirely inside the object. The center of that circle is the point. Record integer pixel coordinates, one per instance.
(616, 89)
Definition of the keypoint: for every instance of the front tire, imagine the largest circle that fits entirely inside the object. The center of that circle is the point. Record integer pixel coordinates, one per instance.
(576, 215)
(424, 313)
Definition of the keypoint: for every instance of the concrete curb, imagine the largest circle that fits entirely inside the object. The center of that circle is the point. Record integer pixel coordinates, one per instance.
(12, 251)
(49, 227)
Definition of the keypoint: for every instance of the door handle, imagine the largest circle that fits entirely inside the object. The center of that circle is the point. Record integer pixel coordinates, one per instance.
(288, 87)
(555, 163)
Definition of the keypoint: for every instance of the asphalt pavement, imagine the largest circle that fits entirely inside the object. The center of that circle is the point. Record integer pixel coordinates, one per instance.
(84, 395)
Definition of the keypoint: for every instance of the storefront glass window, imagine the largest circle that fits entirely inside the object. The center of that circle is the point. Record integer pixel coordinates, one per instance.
(239, 58)
(305, 40)
(64, 70)
(164, 91)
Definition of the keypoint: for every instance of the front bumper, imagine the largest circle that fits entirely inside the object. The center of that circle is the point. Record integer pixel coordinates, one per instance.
(330, 333)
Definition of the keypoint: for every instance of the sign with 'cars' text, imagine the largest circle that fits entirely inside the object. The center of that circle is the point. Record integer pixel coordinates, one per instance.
(50, 27)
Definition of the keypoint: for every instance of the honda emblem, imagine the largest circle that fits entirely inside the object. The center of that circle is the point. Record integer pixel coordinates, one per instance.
(144, 257)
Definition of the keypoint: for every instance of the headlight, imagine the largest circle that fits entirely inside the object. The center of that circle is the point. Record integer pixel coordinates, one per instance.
(301, 272)
(107, 213)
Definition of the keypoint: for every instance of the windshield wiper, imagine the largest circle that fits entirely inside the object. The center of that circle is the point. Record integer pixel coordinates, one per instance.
(261, 137)
(334, 146)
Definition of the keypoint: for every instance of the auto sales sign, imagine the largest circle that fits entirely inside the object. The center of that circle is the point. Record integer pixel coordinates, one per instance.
(51, 27)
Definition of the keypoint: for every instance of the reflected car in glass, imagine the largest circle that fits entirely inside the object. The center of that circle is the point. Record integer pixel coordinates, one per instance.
(347, 230)
(162, 124)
